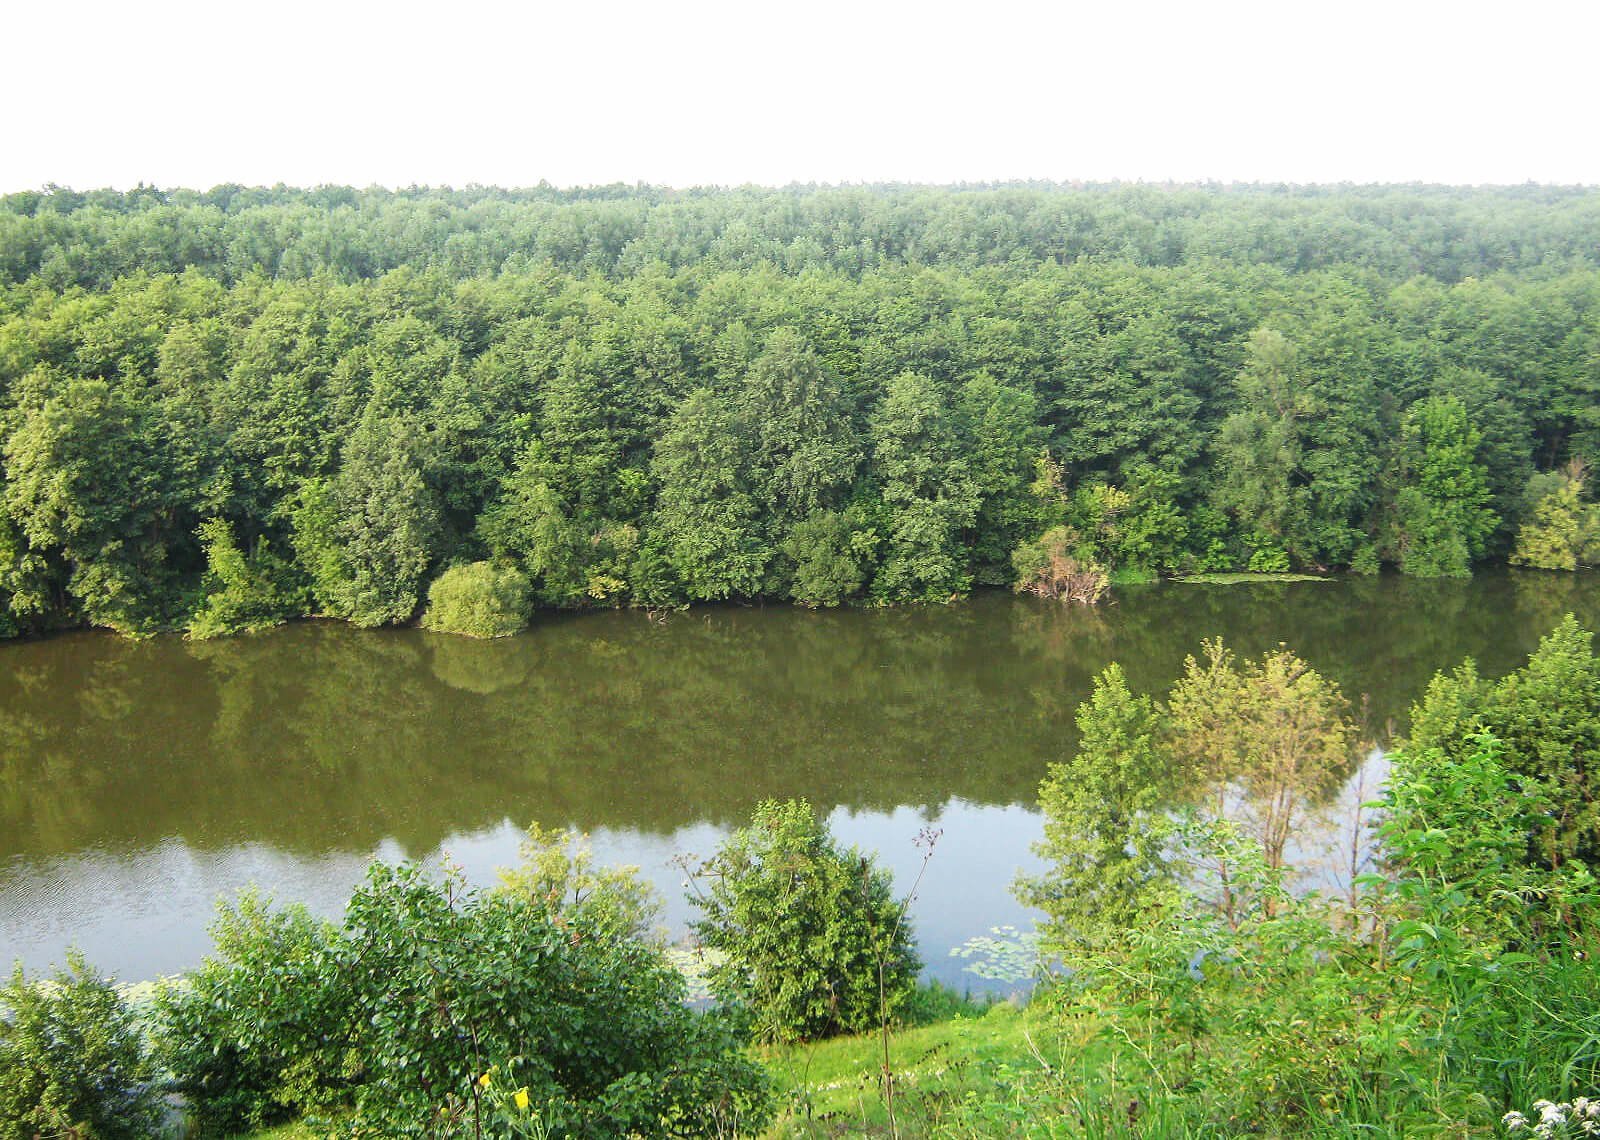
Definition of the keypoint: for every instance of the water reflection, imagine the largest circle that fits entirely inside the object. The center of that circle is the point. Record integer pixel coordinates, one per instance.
(140, 780)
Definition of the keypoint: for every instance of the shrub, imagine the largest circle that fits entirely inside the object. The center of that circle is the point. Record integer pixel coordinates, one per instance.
(1563, 530)
(1051, 567)
(556, 868)
(815, 942)
(479, 599)
(244, 592)
(828, 550)
(1106, 828)
(246, 1035)
(1547, 717)
(1501, 947)
(436, 1010)
(451, 985)
(72, 1062)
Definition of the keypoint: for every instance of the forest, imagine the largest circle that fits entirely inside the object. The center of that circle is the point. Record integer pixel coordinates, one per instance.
(222, 410)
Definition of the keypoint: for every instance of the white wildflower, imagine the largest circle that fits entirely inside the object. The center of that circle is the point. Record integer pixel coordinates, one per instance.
(1557, 1120)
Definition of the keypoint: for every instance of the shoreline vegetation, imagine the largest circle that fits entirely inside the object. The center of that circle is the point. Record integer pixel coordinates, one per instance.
(220, 410)
(1183, 984)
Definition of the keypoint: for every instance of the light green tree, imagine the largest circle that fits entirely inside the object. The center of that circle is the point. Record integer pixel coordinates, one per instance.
(1564, 530)
(1106, 829)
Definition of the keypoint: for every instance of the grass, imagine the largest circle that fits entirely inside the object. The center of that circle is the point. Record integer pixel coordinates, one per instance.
(835, 1088)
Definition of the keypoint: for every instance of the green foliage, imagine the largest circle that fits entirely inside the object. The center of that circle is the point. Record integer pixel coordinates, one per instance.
(100, 475)
(1223, 1026)
(478, 599)
(1268, 560)
(928, 493)
(1496, 941)
(430, 995)
(828, 550)
(999, 422)
(387, 523)
(1261, 446)
(317, 547)
(1106, 831)
(244, 593)
(1274, 732)
(72, 1060)
(1547, 717)
(1152, 532)
(447, 985)
(1260, 746)
(1563, 531)
(1455, 985)
(556, 869)
(251, 1037)
(1443, 518)
(1057, 565)
(805, 453)
(638, 397)
(705, 513)
(1295, 461)
(815, 943)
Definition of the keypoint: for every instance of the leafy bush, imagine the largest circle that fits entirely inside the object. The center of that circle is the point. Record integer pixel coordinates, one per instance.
(479, 599)
(1456, 985)
(244, 593)
(72, 1061)
(1268, 560)
(1106, 826)
(1547, 717)
(815, 942)
(1054, 566)
(556, 868)
(829, 550)
(449, 983)
(1563, 531)
(1504, 948)
(248, 1036)
(436, 1010)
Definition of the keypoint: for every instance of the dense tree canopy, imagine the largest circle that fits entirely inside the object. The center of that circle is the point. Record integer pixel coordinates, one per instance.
(227, 408)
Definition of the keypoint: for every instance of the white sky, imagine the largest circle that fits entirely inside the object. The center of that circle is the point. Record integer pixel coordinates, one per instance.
(687, 92)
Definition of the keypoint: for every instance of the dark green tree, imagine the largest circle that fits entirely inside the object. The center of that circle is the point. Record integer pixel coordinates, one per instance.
(928, 492)
(815, 943)
(1442, 514)
(705, 513)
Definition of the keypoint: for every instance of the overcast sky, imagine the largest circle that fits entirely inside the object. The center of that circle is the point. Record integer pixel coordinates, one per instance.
(191, 93)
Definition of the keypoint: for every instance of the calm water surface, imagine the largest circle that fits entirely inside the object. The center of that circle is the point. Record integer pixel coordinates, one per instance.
(141, 781)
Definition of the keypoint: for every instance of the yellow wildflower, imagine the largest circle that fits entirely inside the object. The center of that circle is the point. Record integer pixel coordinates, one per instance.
(521, 1097)
(485, 1080)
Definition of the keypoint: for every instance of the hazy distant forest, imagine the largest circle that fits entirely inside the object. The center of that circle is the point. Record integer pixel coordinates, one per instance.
(227, 409)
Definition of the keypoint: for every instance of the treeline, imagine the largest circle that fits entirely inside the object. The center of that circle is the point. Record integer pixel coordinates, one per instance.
(92, 238)
(203, 441)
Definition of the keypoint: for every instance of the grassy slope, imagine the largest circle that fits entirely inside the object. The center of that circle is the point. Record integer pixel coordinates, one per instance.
(954, 1077)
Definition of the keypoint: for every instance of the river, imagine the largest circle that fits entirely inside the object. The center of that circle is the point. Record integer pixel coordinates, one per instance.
(142, 780)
